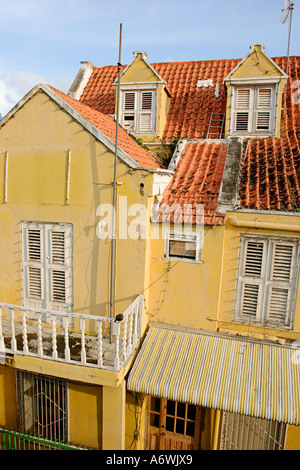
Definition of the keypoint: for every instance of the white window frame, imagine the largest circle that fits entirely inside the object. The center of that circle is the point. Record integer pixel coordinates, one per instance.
(253, 110)
(138, 112)
(266, 283)
(183, 236)
(47, 266)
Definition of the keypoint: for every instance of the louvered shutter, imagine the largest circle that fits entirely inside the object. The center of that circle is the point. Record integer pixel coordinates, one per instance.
(60, 267)
(267, 281)
(251, 278)
(146, 113)
(34, 264)
(242, 109)
(129, 108)
(129, 101)
(33, 261)
(279, 287)
(47, 266)
(263, 113)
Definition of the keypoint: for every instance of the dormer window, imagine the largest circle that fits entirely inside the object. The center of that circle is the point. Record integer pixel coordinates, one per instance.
(253, 110)
(137, 110)
(254, 96)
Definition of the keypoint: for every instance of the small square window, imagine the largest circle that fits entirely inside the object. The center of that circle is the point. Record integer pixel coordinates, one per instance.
(183, 245)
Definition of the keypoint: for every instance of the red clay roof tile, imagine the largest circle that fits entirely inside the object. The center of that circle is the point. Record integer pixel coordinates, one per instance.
(107, 126)
(270, 173)
(197, 180)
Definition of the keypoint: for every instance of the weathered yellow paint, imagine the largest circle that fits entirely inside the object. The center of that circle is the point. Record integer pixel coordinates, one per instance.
(292, 438)
(37, 150)
(139, 73)
(37, 141)
(85, 410)
(185, 293)
(230, 267)
(113, 432)
(8, 403)
(256, 65)
(135, 434)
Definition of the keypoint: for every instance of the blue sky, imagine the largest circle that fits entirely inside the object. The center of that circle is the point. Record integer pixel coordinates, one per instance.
(43, 41)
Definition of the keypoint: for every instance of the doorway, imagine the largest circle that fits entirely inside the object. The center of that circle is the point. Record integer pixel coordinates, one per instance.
(173, 425)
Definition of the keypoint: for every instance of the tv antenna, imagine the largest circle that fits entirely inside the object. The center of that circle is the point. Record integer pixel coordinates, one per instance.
(287, 13)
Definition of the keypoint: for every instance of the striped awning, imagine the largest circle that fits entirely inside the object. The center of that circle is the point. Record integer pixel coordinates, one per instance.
(218, 371)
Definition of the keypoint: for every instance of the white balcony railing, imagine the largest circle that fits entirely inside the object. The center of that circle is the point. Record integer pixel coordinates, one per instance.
(86, 340)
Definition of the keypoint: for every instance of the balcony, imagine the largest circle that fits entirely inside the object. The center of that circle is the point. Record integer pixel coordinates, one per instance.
(86, 340)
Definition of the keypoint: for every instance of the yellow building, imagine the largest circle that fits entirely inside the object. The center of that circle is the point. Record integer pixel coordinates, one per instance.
(198, 348)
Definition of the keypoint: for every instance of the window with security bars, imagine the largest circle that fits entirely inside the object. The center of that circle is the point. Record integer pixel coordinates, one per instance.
(253, 110)
(241, 432)
(47, 265)
(43, 406)
(267, 281)
(137, 110)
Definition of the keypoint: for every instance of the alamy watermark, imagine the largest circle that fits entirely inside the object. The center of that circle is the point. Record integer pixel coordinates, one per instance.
(133, 221)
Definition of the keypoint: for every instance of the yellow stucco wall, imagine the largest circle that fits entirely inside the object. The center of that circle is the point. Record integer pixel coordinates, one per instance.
(37, 140)
(85, 411)
(185, 293)
(229, 275)
(8, 402)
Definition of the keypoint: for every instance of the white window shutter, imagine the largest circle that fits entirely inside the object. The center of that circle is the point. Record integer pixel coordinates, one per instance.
(263, 120)
(267, 281)
(280, 284)
(33, 259)
(146, 100)
(243, 98)
(253, 266)
(145, 122)
(264, 97)
(138, 110)
(129, 101)
(60, 269)
(47, 266)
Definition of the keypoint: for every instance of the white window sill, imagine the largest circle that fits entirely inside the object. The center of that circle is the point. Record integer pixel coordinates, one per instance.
(183, 260)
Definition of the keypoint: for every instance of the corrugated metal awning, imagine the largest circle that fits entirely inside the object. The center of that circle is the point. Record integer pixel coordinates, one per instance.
(229, 373)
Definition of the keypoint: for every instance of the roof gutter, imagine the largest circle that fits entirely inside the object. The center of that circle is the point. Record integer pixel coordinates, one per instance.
(264, 225)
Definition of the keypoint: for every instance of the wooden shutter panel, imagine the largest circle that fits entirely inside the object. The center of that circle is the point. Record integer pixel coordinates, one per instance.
(145, 122)
(243, 98)
(251, 278)
(33, 266)
(263, 120)
(242, 103)
(146, 100)
(280, 284)
(129, 101)
(264, 97)
(60, 271)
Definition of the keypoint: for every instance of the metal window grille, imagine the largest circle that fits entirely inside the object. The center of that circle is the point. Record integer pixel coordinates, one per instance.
(43, 406)
(241, 432)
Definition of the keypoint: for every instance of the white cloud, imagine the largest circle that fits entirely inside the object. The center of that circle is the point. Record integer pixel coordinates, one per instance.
(13, 87)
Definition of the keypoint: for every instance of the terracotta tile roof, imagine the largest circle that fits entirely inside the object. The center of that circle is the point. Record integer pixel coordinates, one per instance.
(190, 107)
(107, 126)
(197, 180)
(270, 174)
